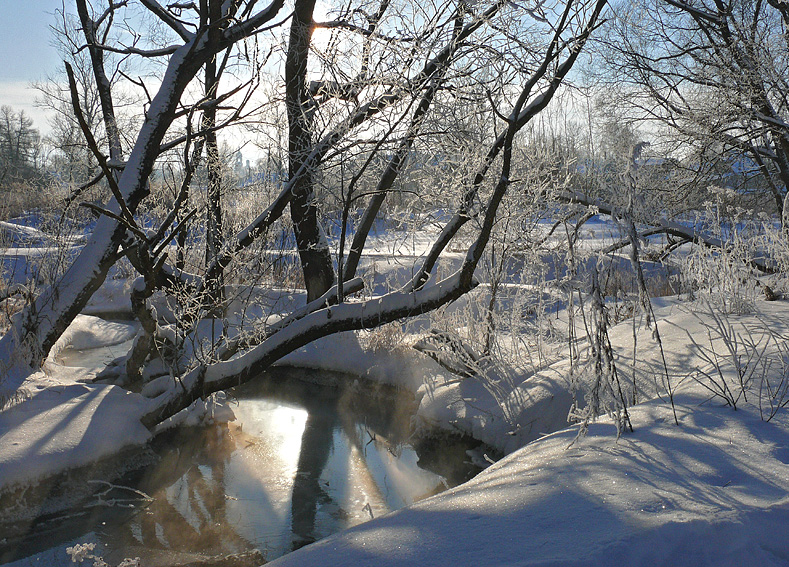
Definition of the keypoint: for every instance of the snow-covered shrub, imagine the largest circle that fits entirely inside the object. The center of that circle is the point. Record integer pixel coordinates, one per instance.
(774, 242)
(725, 276)
(459, 358)
(722, 278)
(22, 196)
(729, 271)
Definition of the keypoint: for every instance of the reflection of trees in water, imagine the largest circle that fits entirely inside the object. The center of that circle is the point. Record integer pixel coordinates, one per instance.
(327, 412)
(317, 442)
(197, 523)
(195, 519)
(194, 467)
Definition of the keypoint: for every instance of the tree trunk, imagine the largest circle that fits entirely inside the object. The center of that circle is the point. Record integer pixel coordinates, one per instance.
(213, 228)
(102, 82)
(316, 261)
(43, 321)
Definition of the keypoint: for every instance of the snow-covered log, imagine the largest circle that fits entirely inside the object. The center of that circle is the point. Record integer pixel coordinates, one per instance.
(205, 380)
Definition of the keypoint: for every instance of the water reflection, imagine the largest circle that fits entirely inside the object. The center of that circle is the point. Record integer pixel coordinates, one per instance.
(317, 443)
(300, 463)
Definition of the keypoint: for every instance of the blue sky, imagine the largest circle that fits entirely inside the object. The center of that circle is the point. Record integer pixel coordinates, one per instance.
(26, 52)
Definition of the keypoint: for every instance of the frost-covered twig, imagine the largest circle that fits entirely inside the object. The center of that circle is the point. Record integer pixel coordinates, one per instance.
(743, 353)
(774, 383)
(605, 394)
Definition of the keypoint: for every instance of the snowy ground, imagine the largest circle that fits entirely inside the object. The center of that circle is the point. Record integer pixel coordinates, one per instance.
(712, 491)
(63, 422)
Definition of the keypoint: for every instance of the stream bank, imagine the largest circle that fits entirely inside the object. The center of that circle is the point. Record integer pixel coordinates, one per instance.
(311, 453)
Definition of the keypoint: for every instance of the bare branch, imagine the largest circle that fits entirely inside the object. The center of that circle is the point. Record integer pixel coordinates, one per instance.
(110, 10)
(695, 12)
(168, 19)
(148, 53)
(94, 147)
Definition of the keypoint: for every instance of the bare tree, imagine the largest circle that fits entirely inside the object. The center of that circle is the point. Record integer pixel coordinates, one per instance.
(715, 73)
(479, 201)
(397, 64)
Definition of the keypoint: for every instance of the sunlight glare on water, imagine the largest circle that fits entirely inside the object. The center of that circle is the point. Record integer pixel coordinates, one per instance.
(299, 463)
(281, 425)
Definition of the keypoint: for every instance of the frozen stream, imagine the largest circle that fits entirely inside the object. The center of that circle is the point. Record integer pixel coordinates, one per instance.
(300, 463)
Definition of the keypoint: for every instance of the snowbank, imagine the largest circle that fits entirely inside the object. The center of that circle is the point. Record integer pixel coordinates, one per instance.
(63, 426)
(712, 491)
(61, 423)
(88, 332)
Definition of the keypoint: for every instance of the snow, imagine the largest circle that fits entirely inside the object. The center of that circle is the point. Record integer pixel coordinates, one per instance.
(87, 346)
(89, 332)
(61, 423)
(712, 491)
(111, 297)
(63, 426)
